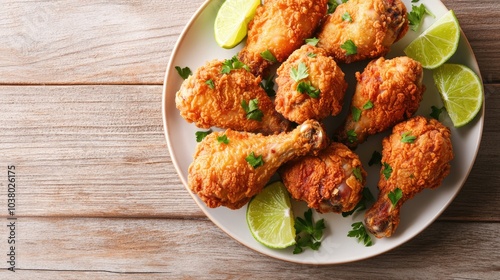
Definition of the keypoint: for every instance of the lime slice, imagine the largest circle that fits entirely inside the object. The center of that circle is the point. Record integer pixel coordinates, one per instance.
(437, 43)
(461, 91)
(270, 217)
(231, 22)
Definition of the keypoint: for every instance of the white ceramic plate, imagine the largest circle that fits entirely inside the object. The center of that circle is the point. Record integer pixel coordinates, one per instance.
(196, 45)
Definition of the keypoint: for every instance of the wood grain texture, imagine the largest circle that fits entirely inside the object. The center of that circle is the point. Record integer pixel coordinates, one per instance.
(170, 249)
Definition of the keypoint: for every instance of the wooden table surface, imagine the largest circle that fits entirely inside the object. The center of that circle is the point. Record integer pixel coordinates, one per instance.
(97, 195)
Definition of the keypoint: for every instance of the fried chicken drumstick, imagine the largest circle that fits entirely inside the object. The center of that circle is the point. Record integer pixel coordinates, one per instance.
(280, 27)
(388, 92)
(332, 181)
(372, 26)
(211, 97)
(419, 152)
(230, 174)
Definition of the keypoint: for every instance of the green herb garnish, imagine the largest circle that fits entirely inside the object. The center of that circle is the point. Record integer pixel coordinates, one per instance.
(312, 41)
(183, 72)
(406, 137)
(254, 161)
(210, 84)
(356, 113)
(416, 15)
(233, 64)
(299, 73)
(346, 17)
(308, 233)
(362, 204)
(352, 136)
(223, 139)
(349, 47)
(368, 105)
(359, 231)
(436, 112)
(268, 55)
(200, 135)
(252, 109)
(306, 87)
(395, 196)
(375, 159)
(387, 171)
(268, 86)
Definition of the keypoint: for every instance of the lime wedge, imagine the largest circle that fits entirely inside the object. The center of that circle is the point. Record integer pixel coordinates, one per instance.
(437, 43)
(461, 91)
(231, 22)
(270, 217)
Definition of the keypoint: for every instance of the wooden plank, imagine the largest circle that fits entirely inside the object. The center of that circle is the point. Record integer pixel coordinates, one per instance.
(130, 42)
(73, 146)
(179, 249)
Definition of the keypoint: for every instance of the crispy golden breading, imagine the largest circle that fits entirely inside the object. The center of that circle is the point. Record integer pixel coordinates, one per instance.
(220, 106)
(418, 165)
(280, 26)
(221, 175)
(393, 87)
(323, 74)
(372, 25)
(328, 182)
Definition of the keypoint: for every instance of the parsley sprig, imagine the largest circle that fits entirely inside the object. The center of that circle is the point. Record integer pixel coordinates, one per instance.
(268, 55)
(350, 47)
(252, 109)
(200, 135)
(387, 171)
(359, 232)
(395, 196)
(299, 73)
(416, 16)
(254, 161)
(268, 85)
(233, 64)
(308, 233)
(184, 72)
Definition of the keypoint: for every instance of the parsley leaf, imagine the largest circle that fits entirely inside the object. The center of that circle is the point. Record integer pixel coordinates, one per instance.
(346, 17)
(268, 86)
(406, 137)
(183, 72)
(308, 233)
(268, 55)
(359, 231)
(223, 139)
(395, 196)
(252, 109)
(416, 15)
(299, 73)
(233, 64)
(368, 105)
(375, 159)
(365, 199)
(436, 112)
(332, 6)
(312, 55)
(254, 161)
(306, 87)
(352, 136)
(357, 173)
(312, 41)
(349, 47)
(356, 113)
(387, 171)
(200, 135)
(210, 84)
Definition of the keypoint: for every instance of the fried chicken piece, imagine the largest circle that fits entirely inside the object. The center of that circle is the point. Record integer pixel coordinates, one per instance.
(387, 92)
(416, 164)
(210, 98)
(331, 181)
(280, 26)
(323, 74)
(222, 174)
(372, 25)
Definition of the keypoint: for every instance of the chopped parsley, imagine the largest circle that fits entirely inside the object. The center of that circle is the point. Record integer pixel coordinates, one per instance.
(352, 136)
(252, 109)
(436, 112)
(357, 173)
(375, 159)
(210, 84)
(416, 16)
(299, 73)
(368, 105)
(254, 161)
(308, 233)
(362, 204)
(223, 139)
(268, 86)
(332, 6)
(268, 55)
(312, 55)
(306, 87)
(359, 232)
(406, 137)
(312, 41)
(349, 47)
(387, 171)
(200, 135)
(233, 64)
(183, 72)
(395, 196)
(356, 113)
(346, 17)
